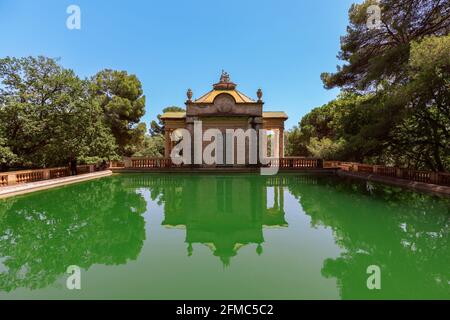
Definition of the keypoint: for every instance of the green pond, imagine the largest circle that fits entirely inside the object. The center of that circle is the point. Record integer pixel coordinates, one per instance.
(149, 236)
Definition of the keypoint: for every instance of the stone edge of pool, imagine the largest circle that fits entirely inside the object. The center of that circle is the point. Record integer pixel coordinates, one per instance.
(411, 185)
(220, 170)
(20, 189)
(10, 191)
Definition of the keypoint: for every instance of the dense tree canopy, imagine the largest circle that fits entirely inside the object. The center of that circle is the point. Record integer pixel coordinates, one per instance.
(338, 130)
(121, 97)
(379, 55)
(49, 116)
(422, 136)
(394, 105)
(153, 147)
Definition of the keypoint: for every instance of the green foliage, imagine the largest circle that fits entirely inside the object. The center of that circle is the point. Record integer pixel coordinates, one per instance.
(7, 157)
(338, 130)
(47, 116)
(396, 90)
(157, 128)
(325, 148)
(153, 146)
(381, 55)
(295, 143)
(121, 97)
(422, 137)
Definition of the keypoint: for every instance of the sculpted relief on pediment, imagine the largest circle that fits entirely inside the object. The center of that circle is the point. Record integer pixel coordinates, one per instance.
(224, 103)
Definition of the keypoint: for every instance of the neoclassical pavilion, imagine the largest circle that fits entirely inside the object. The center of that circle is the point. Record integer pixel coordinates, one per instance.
(223, 108)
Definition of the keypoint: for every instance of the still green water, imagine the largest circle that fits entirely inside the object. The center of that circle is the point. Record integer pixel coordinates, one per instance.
(225, 237)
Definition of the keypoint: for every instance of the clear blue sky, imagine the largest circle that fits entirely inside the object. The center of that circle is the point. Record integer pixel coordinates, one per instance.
(281, 46)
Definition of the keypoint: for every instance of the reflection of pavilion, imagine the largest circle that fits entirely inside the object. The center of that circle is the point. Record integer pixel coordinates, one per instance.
(224, 213)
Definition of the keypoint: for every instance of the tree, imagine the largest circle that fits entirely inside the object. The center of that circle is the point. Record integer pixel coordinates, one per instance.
(374, 57)
(325, 148)
(401, 72)
(342, 129)
(121, 97)
(93, 140)
(295, 143)
(423, 136)
(157, 128)
(47, 116)
(153, 146)
(7, 157)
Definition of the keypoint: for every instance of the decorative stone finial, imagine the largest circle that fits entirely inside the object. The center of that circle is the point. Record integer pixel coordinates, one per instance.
(224, 82)
(224, 77)
(189, 95)
(259, 94)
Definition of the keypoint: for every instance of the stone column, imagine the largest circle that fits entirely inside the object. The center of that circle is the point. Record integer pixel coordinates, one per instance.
(276, 148)
(257, 125)
(167, 143)
(434, 177)
(281, 142)
(46, 174)
(12, 179)
(127, 162)
(190, 127)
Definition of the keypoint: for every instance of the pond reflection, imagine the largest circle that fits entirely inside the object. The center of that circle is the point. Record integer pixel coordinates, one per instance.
(226, 221)
(41, 234)
(104, 222)
(405, 233)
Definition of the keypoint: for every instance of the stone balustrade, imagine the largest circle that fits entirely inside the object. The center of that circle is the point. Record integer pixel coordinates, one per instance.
(282, 163)
(24, 176)
(439, 178)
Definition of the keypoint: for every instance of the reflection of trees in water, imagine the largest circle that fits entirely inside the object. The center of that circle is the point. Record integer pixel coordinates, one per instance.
(405, 233)
(100, 222)
(97, 222)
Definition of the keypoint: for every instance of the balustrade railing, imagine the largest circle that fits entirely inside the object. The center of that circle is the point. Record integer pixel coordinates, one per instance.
(117, 164)
(25, 176)
(443, 178)
(283, 163)
(29, 176)
(386, 171)
(365, 168)
(440, 178)
(83, 169)
(59, 172)
(152, 163)
(3, 180)
(297, 163)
